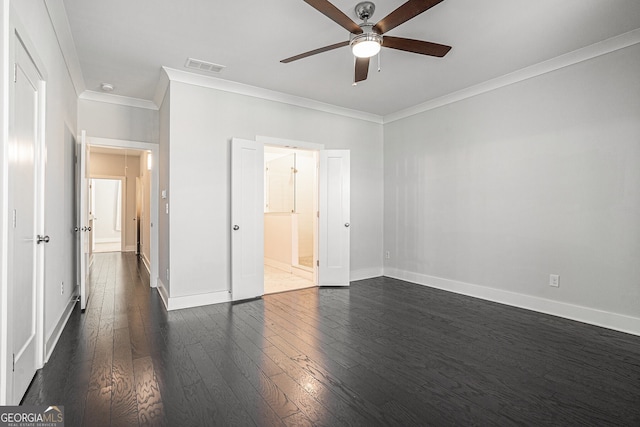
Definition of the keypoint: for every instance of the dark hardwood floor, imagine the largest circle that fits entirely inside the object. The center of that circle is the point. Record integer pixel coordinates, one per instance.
(382, 352)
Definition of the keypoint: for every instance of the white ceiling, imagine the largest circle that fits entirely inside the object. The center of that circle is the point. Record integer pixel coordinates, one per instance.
(125, 43)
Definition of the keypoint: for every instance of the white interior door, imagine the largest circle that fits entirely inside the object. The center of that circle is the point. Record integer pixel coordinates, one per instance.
(24, 204)
(84, 227)
(334, 222)
(247, 219)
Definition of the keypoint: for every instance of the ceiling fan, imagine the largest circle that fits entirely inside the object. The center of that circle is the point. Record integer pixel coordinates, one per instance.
(366, 39)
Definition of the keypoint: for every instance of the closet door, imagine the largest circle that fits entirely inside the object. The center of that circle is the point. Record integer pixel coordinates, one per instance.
(247, 219)
(334, 218)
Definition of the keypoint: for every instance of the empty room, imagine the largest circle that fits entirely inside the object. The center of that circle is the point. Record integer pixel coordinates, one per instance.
(321, 213)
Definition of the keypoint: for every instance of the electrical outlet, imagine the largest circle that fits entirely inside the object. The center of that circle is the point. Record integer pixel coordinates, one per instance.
(387, 255)
(554, 280)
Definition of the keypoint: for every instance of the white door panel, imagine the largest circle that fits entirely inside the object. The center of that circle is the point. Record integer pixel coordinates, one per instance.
(24, 202)
(83, 229)
(334, 221)
(247, 219)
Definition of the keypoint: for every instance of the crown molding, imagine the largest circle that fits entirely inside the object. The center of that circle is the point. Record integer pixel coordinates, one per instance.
(271, 95)
(118, 99)
(62, 30)
(161, 88)
(592, 51)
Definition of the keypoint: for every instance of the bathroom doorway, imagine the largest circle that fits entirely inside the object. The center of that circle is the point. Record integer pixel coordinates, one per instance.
(290, 218)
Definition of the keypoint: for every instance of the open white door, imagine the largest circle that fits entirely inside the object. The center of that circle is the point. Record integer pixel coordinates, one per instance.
(334, 199)
(247, 219)
(83, 229)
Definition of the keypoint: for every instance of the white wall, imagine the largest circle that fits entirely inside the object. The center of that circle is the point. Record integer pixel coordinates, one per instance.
(280, 230)
(202, 123)
(305, 180)
(107, 222)
(164, 241)
(61, 121)
(504, 188)
(114, 121)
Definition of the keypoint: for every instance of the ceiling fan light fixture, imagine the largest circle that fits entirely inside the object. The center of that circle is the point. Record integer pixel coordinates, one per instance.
(366, 45)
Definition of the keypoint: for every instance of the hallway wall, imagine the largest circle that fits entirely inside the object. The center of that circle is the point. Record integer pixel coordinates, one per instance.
(114, 121)
(60, 127)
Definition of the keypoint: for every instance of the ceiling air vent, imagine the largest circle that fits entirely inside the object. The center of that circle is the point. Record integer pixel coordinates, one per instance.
(209, 67)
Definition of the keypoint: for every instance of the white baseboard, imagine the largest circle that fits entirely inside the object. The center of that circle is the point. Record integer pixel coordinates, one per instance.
(190, 301)
(57, 331)
(107, 240)
(303, 272)
(164, 293)
(130, 248)
(365, 273)
(618, 322)
(146, 263)
(278, 264)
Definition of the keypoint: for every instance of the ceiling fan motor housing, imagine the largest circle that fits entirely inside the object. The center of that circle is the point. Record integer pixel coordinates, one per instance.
(364, 10)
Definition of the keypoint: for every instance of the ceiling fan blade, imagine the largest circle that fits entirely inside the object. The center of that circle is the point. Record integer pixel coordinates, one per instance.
(335, 14)
(409, 10)
(362, 69)
(315, 51)
(416, 46)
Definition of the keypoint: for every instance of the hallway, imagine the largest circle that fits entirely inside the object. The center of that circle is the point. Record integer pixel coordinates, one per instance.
(382, 352)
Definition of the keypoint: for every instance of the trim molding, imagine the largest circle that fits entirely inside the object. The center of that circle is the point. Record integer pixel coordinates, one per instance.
(618, 322)
(110, 98)
(164, 294)
(62, 30)
(50, 345)
(366, 273)
(601, 48)
(161, 88)
(268, 94)
(146, 263)
(190, 301)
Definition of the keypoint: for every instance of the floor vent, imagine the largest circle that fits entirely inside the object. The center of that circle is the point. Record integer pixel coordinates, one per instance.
(210, 67)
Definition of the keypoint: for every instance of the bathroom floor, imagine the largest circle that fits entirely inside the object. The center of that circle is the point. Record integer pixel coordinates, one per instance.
(276, 280)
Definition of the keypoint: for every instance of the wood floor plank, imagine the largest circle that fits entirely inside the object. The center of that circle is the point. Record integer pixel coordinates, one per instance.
(124, 407)
(148, 398)
(380, 352)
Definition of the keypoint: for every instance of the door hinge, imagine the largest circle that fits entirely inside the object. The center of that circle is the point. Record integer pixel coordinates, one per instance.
(15, 72)
(318, 214)
(318, 263)
(15, 219)
(14, 362)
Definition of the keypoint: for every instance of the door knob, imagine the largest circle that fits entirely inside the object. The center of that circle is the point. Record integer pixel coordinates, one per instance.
(41, 239)
(76, 229)
(347, 224)
(236, 227)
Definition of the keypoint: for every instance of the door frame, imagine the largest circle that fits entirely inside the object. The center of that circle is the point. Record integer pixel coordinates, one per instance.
(153, 191)
(309, 146)
(10, 35)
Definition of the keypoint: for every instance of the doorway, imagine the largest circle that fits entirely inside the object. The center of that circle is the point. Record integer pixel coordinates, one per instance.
(134, 164)
(290, 226)
(107, 200)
